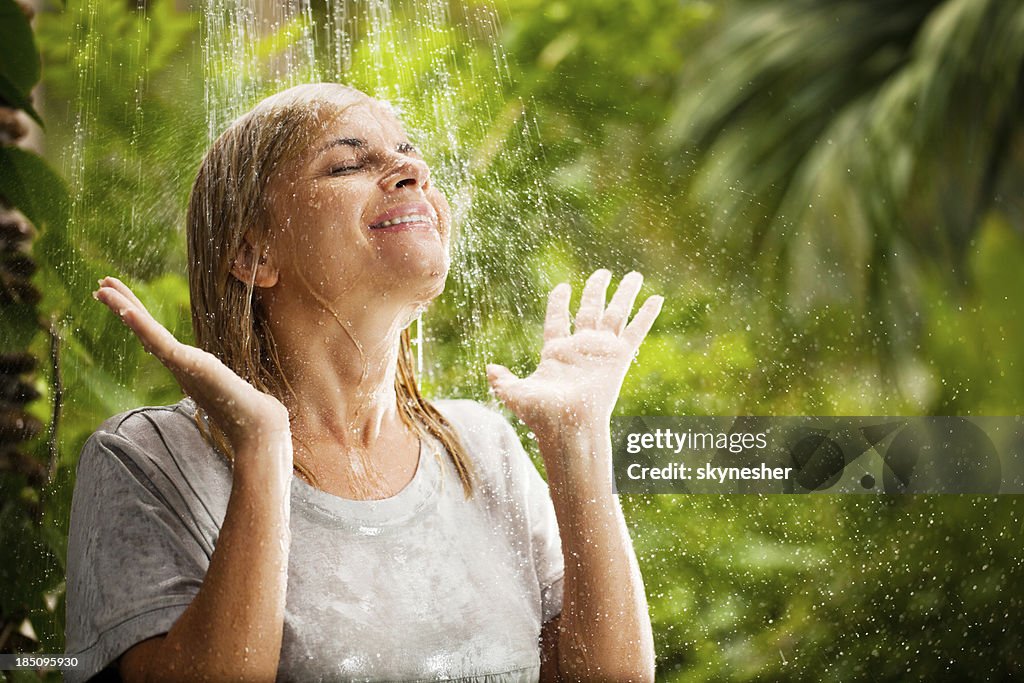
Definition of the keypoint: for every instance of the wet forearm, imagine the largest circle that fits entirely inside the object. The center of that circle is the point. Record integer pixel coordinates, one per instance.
(605, 629)
(232, 630)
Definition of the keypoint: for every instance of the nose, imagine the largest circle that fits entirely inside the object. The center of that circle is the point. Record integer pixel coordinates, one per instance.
(408, 172)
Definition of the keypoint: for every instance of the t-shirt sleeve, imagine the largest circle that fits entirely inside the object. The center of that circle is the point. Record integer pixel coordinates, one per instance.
(134, 563)
(547, 545)
(545, 541)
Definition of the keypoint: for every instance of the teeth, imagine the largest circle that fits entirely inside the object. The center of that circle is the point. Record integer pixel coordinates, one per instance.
(414, 218)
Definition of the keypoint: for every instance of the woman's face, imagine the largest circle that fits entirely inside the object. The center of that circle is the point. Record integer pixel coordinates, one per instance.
(358, 220)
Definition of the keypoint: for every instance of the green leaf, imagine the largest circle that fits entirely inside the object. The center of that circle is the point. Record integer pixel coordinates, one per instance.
(19, 58)
(19, 325)
(10, 94)
(31, 186)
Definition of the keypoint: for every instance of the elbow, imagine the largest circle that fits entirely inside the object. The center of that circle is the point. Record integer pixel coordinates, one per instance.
(646, 673)
(610, 675)
(633, 672)
(606, 654)
(637, 667)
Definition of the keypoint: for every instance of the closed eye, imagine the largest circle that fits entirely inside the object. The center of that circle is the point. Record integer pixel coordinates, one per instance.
(345, 168)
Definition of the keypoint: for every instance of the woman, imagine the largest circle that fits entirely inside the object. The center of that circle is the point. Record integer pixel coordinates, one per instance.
(305, 514)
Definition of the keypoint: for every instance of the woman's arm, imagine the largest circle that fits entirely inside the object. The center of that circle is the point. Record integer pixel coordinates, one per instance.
(604, 632)
(232, 629)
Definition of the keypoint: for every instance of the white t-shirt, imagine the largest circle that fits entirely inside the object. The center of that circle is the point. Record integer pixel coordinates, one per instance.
(425, 585)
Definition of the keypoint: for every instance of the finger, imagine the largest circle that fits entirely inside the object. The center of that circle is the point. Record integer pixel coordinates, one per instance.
(617, 313)
(556, 323)
(499, 375)
(501, 380)
(193, 368)
(641, 324)
(592, 299)
(155, 338)
(125, 291)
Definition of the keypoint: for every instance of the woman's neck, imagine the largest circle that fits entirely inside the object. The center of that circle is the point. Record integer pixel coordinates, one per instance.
(340, 372)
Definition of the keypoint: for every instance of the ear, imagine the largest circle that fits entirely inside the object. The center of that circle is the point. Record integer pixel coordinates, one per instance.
(255, 266)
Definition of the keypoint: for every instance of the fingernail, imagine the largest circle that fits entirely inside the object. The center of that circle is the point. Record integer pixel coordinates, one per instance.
(96, 295)
(100, 281)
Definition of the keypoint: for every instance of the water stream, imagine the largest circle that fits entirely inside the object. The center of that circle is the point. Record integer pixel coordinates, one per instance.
(724, 574)
(444, 69)
(415, 57)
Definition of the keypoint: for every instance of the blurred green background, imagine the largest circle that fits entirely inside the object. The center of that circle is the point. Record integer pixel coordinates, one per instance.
(829, 193)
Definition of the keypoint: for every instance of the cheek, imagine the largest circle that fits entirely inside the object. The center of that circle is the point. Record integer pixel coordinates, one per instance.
(444, 214)
(331, 217)
(322, 232)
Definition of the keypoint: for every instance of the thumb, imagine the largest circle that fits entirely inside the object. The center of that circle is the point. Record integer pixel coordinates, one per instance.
(501, 380)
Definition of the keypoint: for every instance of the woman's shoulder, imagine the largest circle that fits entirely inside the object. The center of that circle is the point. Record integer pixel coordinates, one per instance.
(148, 437)
(477, 424)
(489, 439)
(142, 423)
(469, 413)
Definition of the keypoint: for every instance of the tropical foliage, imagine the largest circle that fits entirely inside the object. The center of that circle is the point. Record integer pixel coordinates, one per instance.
(828, 193)
(32, 199)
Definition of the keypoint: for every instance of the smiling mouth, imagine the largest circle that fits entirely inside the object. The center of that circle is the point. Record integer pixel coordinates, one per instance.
(403, 220)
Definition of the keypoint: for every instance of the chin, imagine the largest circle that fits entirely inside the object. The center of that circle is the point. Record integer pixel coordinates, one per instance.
(421, 274)
(435, 278)
(426, 290)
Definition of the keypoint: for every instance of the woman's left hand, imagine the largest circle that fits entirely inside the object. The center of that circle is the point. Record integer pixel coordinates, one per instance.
(577, 382)
(568, 403)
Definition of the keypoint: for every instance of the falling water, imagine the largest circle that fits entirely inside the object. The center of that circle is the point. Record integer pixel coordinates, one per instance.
(724, 563)
(443, 68)
(413, 56)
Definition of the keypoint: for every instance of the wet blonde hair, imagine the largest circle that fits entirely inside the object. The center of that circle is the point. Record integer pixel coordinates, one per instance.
(228, 200)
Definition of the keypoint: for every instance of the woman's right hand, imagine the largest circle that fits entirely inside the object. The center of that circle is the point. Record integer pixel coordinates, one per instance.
(250, 419)
(232, 629)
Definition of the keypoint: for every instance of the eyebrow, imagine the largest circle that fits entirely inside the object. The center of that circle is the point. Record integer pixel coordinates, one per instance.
(346, 142)
(358, 143)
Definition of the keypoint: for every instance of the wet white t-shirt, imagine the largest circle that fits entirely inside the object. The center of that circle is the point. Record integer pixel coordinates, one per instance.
(426, 585)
